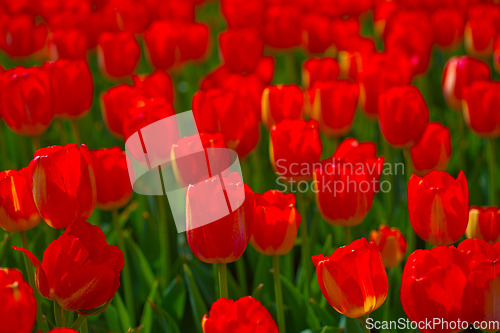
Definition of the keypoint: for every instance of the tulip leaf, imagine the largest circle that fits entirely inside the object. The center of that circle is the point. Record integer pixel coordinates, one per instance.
(166, 322)
(147, 313)
(326, 317)
(139, 257)
(122, 312)
(113, 319)
(326, 329)
(294, 302)
(174, 298)
(197, 304)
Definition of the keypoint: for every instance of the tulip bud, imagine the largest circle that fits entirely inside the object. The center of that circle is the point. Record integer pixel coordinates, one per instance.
(241, 49)
(448, 27)
(481, 29)
(438, 206)
(480, 107)
(225, 239)
(334, 106)
(154, 85)
(243, 13)
(496, 54)
(346, 183)
(63, 184)
(403, 116)
(344, 30)
(353, 279)
(355, 53)
(276, 215)
(68, 44)
(458, 73)
(391, 243)
(18, 306)
(281, 102)
(17, 208)
(384, 12)
(243, 315)
(111, 50)
(26, 100)
(319, 70)
(63, 330)
(484, 223)
(433, 151)
(80, 270)
(282, 29)
(21, 36)
(316, 35)
(294, 148)
(115, 104)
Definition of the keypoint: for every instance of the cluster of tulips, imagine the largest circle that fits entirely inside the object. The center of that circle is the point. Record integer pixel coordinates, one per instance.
(325, 130)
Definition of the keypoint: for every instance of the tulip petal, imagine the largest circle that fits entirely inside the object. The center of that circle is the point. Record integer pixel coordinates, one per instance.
(40, 276)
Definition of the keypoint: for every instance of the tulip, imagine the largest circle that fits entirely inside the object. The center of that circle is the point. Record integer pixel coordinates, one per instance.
(154, 85)
(294, 148)
(435, 285)
(485, 278)
(177, 10)
(63, 330)
(111, 50)
(241, 49)
(380, 72)
(68, 44)
(458, 73)
(244, 315)
(72, 87)
(481, 29)
(334, 106)
(356, 52)
(243, 13)
(125, 15)
(111, 177)
(319, 70)
(353, 279)
(496, 54)
(17, 208)
(276, 222)
(26, 100)
(344, 30)
(281, 102)
(433, 151)
(18, 306)
(346, 183)
(63, 184)
(226, 237)
(20, 35)
(80, 271)
(316, 35)
(484, 223)
(391, 243)
(115, 104)
(383, 13)
(480, 107)
(282, 29)
(403, 116)
(438, 206)
(448, 27)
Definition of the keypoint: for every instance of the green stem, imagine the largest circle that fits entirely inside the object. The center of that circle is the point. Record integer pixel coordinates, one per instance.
(388, 300)
(222, 280)
(59, 315)
(389, 195)
(79, 322)
(363, 321)
(85, 327)
(306, 256)
(347, 235)
(216, 279)
(291, 68)
(35, 143)
(278, 294)
(165, 256)
(288, 265)
(242, 274)
(76, 132)
(462, 142)
(127, 280)
(412, 236)
(31, 278)
(492, 173)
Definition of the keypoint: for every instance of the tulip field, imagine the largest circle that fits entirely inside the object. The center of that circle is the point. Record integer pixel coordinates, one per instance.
(249, 166)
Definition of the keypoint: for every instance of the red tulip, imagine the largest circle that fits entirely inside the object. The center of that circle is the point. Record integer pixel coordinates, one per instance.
(115, 104)
(177, 10)
(294, 148)
(275, 224)
(241, 49)
(72, 87)
(346, 183)
(111, 50)
(353, 279)
(125, 15)
(68, 44)
(438, 206)
(484, 223)
(380, 72)
(480, 106)
(80, 271)
(17, 208)
(485, 278)
(20, 35)
(448, 27)
(112, 179)
(282, 26)
(481, 29)
(334, 106)
(435, 285)
(319, 70)
(433, 151)
(356, 52)
(18, 306)
(63, 184)
(228, 112)
(243, 13)
(26, 100)
(403, 116)
(219, 235)
(383, 13)
(458, 73)
(154, 85)
(391, 243)
(344, 30)
(63, 330)
(316, 35)
(241, 316)
(281, 102)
